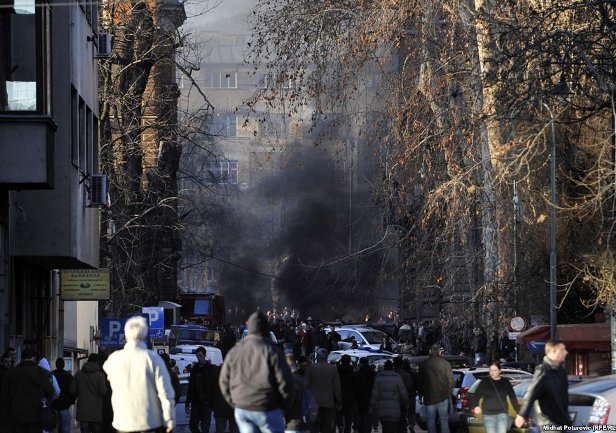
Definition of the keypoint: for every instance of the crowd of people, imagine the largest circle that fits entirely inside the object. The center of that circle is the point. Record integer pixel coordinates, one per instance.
(258, 388)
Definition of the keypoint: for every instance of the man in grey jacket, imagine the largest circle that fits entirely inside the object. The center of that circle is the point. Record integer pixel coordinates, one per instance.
(256, 380)
(436, 385)
(323, 381)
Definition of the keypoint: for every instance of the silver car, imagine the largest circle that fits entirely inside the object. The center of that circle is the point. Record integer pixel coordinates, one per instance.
(593, 402)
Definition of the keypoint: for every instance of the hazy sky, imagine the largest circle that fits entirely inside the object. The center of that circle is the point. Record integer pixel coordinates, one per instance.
(208, 13)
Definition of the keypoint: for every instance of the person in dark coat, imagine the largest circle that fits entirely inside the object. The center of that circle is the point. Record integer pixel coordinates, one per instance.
(23, 387)
(223, 413)
(323, 381)
(63, 403)
(175, 380)
(436, 385)
(293, 413)
(549, 390)
(364, 381)
(408, 385)
(479, 345)
(90, 387)
(256, 380)
(200, 395)
(347, 386)
(389, 399)
(406, 367)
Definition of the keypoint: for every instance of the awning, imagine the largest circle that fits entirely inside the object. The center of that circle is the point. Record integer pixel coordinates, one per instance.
(536, 333)
(575, 336)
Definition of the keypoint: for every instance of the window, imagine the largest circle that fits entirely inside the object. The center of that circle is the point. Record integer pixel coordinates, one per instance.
(25, 37)
(74, 127)
(82, 134)
(221, 80)
(223, 172)
(223, 124)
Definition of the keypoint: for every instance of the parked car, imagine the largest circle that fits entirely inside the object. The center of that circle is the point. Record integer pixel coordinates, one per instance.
(374, 358)
(474, 423)
(193, 334)
(464, 378)
(521, 365)
(592, 402)
(456, 361)
(186, 356)
(181, 418)
(365, 336)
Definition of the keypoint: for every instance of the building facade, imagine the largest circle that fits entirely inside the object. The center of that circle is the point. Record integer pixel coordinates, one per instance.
(48, 156)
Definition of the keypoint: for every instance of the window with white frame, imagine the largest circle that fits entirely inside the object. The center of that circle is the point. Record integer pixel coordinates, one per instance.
(221, 80)
(223, 172)
(25, 47)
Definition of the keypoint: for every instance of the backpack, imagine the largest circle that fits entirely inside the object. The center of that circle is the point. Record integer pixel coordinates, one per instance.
(308, 405)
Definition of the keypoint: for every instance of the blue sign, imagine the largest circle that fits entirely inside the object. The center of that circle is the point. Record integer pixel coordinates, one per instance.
(537, 346)
(112, 332)
(156, 320)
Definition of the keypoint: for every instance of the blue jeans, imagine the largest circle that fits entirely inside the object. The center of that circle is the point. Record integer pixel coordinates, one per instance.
(252, 421)
(64, 421)
(443, 415)
(498, 423)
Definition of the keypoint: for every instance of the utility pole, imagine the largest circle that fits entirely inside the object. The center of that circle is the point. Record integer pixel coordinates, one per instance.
(552, 227)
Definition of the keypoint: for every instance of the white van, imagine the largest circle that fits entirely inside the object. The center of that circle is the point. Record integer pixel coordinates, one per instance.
(186, 356)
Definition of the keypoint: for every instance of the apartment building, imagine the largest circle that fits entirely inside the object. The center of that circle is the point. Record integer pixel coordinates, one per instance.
(49, 197)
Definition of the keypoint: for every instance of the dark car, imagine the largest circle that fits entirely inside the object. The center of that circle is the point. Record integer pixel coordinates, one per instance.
(193, 335)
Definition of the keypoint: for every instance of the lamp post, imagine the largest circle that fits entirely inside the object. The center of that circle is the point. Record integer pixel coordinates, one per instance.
(552, 226)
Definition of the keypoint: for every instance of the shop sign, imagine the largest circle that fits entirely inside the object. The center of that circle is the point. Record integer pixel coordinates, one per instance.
(84, 284)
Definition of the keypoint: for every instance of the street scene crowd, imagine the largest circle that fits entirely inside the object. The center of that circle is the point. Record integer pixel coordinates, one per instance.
(266, 387)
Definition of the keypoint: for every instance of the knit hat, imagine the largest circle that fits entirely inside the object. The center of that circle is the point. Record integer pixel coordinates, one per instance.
(257, 323)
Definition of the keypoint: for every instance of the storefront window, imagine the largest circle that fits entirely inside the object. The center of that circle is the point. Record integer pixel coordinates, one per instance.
(24, 45)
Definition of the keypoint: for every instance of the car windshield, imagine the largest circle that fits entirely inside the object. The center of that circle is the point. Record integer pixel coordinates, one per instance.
(374, 337)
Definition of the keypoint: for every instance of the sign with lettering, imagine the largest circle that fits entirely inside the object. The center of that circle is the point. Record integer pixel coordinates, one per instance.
(156, 320)
(84, 284)
(112, 332)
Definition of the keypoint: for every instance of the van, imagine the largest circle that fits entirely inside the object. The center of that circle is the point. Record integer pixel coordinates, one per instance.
(186, 356)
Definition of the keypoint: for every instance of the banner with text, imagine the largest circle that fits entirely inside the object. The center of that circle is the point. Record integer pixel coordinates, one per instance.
(84, 284)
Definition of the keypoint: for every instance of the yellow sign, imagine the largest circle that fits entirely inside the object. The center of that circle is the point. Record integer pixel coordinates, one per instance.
(84, 284)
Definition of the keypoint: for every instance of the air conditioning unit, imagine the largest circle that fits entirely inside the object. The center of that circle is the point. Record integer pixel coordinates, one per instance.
(98, 190)
(103, 48)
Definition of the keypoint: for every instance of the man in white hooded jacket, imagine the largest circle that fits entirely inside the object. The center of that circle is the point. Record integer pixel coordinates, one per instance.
(143, 398)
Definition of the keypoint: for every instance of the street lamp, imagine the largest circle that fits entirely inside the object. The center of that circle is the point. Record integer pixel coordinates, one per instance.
(552, 227)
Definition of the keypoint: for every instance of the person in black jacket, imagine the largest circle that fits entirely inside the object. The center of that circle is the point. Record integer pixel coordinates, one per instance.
(223, 413)
(494, 390)
(436, 385)
(23, 387)
(200, 395)
(549, 389)
(63, 403)
(347, 386)
(364, 382)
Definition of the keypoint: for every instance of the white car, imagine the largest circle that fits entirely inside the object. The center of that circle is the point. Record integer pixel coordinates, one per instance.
(373, 357)
(186, 356)
(364, 335)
